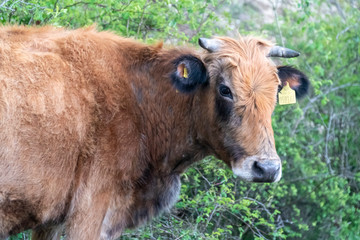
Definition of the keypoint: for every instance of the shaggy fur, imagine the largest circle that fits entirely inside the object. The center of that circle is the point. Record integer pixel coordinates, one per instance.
(94, 132)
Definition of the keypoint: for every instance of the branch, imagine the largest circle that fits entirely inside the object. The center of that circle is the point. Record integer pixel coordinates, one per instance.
(203, 176)
(19, 1)
(203, 20)
(326, 155)
(343, 31)
(329, 91)
(211, 215)
(125, 6)
(85, 3)
(275, 7)
(251, 227)
(142, 17)
(3, 3)
(260, 203)
(309, 105)
(55, 5)
(321, 175)
(339, 9)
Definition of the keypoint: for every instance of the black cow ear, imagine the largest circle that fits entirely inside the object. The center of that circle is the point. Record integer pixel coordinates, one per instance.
(297, 80)
(189, 73)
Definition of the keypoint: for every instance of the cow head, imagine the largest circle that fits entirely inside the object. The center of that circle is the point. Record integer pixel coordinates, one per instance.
(240, 99)
(236, 101)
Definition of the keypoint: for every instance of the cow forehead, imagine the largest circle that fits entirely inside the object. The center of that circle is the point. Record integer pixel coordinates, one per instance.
(252, 75)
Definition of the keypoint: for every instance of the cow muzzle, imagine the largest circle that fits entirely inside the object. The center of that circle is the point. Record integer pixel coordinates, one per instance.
(258, 169)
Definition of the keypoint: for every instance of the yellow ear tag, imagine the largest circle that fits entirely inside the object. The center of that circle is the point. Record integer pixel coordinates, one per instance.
(287, 95)
(185, 75)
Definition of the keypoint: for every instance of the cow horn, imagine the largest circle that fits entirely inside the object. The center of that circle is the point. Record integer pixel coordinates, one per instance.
(212, 45)
(277, 51)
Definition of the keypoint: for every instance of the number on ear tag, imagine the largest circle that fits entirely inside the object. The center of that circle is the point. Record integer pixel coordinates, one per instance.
(287, 95)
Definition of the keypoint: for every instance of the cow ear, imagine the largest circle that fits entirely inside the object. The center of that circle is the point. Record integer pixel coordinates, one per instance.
(189, 73)
(297, 80)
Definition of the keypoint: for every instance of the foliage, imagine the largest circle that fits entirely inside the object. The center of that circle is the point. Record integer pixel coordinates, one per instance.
(318, 139)
(324, 155)
(142, 19)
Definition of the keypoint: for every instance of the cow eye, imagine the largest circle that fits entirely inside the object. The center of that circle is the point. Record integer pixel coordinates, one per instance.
(225, 91)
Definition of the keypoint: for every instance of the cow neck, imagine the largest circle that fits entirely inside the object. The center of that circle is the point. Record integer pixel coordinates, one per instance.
(169, 135)
(168, 128)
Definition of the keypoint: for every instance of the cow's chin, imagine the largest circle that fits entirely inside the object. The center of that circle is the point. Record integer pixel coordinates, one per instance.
(247, 170)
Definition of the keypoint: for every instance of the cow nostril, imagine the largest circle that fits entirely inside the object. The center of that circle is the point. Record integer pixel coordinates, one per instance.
(259, 171)
(265, 171)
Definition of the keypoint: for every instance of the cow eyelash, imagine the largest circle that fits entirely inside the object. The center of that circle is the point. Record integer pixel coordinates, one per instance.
(225, 91)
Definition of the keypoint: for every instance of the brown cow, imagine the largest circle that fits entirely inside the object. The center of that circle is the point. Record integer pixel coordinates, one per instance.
(96, 129)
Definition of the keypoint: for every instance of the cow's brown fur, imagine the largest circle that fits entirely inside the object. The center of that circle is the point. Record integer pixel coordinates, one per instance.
(93, 135)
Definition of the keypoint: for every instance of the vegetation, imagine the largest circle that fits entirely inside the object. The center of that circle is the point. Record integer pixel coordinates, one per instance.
(318, 138)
